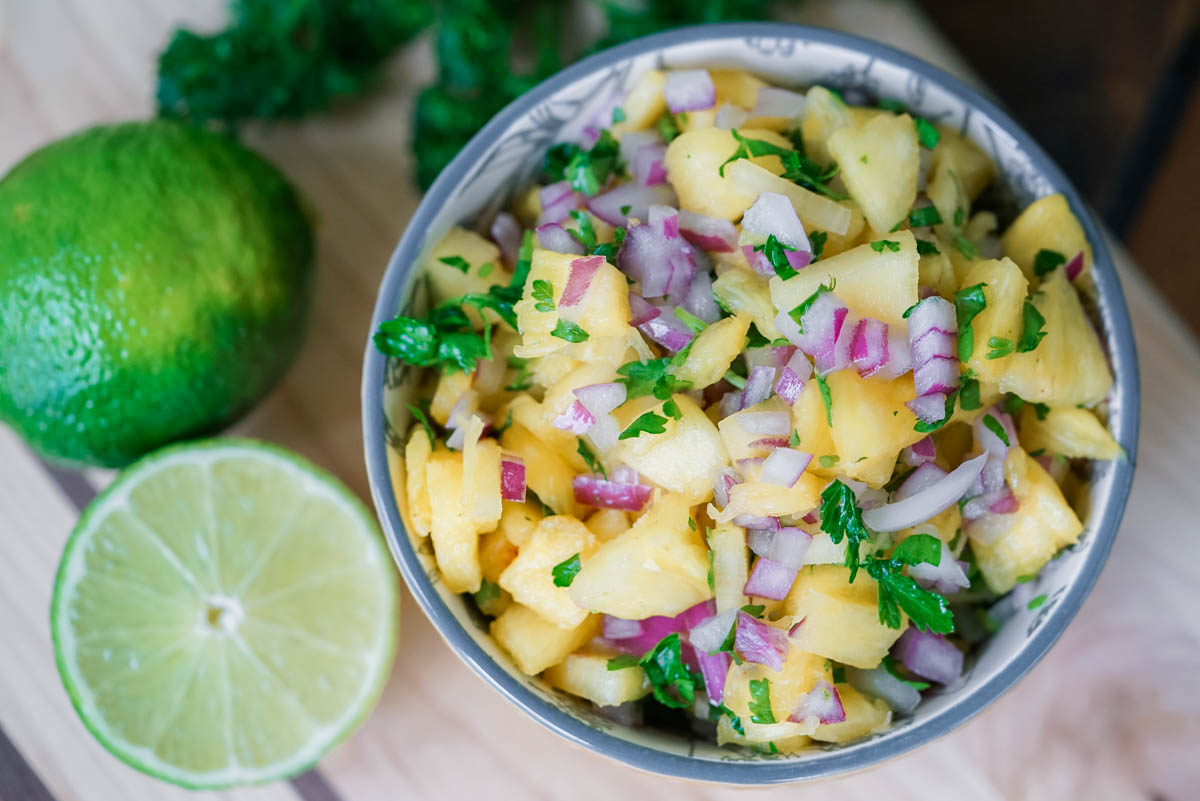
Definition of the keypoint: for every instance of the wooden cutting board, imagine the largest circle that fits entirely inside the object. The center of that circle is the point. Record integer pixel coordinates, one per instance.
(1112, 713)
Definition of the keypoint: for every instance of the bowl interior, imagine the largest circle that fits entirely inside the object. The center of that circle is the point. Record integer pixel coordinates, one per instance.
(506, 156)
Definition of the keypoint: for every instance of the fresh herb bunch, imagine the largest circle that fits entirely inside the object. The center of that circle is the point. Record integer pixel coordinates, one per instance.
(286, 59)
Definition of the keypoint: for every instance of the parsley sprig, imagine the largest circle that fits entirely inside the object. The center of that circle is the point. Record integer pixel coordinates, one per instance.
(842, 519)
(927, 610)
(671, 681)
(797, 168)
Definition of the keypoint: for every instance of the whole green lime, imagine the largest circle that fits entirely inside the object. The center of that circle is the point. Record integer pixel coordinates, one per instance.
(154, 282)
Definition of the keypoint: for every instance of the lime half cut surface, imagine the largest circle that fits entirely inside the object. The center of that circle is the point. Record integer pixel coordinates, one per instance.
(224, 613)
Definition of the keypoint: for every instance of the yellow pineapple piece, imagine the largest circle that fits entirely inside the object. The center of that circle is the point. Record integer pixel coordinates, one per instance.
(863, 716)
(730, 565)
(480, 493)
(534, 642)
(586, 675)
(644, 103)
(737, 87)
(527, 206)
(945, 189)
(937, 271)
(604, 310)
(854, 234)
(1068, 368)
(870, 420)
(553, 367)
(973, 167)
(1009, 546)
(447, 281)
(882, 285)
(824, 114)
(879, 161)
(658, 567)
(781, 735)
(812, 426)
(530, 576)
(713, 350)
(416, 456)
(683, 458)
(607, 524)
(817, 212)
(746, 292)
(738, 439)
(454, 534)
(1047, 223)
(1073, 432)
(539, 417)
(495, 554)
(450, 387)
(545, 472)
(693, 165)
(841, 620)
(770, 500)
(1005, 288)
(786, 688)
(519, 520)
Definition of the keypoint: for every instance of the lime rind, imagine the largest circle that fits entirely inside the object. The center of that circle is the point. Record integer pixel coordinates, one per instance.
(71, 569)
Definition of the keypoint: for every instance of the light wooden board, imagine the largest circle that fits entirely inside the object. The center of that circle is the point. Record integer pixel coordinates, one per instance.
(1112, 713)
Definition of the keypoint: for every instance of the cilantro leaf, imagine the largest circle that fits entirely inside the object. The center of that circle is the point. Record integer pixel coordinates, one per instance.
(543, 293)
(879, 244)
(712, 576)
(1036, 602)
(894, 106)
(565, 571)
(565, 329)
(926, 133)
(647, 423)
(776, 254)
(716, 712)
(590, 459)
(968, 303)
(829, 460)
(1046, 261)
(827, 398)
(668, 127)
(672, 683)
(817, 240)
(457, 262)
(760, 702)
(926, 248)
(1000, 347)
(755, 339)
(926, 215)
(995, 426)
(1031, 328)
(794, 439)
(842, 519)
(754, 610)
(585, 170)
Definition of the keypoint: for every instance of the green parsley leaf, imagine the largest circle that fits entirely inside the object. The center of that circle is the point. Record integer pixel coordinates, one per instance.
(424, 421)
(926, 248)
(718, 711)
(1000, 347)
(968, 395)
(524, 260)
(712, 577)
(739, 382)
(457, 262)
(486, 269)
(842, 519)
(927, 610)
(966, 247)
(925, 428)
(622, 662)
(445, 338)
(667, 127)
(926, 133)
(590, 459)
(694, 323)
(797, 314)
(959, 214)
(569, 331)
(968, 302)
(794, 439)
(670, 680)
(760, 703)
(1032, 334)
(863, 158)
(609, 250)
(586, 235)
(816, 240)
(776, 254)
(1041, 410)
(565, 571)
(827, 397)
(1034, 603)
(647, 423)
(994, 425)
(879, 244)
(681, 357)
(839, 675)
(894, 106)
(916, 549)
(650, 378)
(796, 168)
(1047, 261)
(543, 293)
(828, 460)
(626, 209)
(587, 170)
(487, 592)
(754, 339)
(618, 115)
(523, 379)
(926, 215)
(908, 312)
(889, 665)
(1013, 403)
(754, 610)
(671, 409)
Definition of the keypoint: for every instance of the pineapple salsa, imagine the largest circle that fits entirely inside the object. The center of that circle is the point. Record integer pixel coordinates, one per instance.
(746, 416)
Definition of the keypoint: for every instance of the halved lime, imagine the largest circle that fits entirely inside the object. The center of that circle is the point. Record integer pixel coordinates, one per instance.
(223, 614)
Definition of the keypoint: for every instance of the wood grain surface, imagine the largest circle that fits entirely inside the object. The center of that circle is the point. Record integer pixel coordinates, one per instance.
(1112, 713)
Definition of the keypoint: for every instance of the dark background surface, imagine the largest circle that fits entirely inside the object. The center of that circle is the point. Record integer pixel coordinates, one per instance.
(1110, 90)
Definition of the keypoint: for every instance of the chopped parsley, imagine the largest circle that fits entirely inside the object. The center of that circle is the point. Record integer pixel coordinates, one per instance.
(647, 423)
(738, 381)
(487, 592)
(590, 459)
(968, 395)
(879, 244)
(816, 240)
(794, 439)
(565, 571)
(672, 683)
(823, 388)
(445, 338)
(959, 214)
(796, 167)
(569, 331)
(797, 314)
(585, 170)
(894, 106)
(586, 235)
(926, 133)
(760, 702)
(1000, 347)
(618, 115)
(926, 248)
(523, 380)
(712, 576)
(1047, 261)
(420, 417)
(1034, 603)
(671, 409)
(524, 260)
(668, 127)
(694, 323)
(828, 460)
(754, 610)
(457, 262)
(1032, 334)
(486, 269)
(927, 610)
(623, 661)
(994, 425)
(776, 254)
(650, 378)
(842, 519)
(609, 250)
(926, 215)
(889, 665)
(716, 712)
(925, 428)
(543, 293)
(968, 303)
(966, 247)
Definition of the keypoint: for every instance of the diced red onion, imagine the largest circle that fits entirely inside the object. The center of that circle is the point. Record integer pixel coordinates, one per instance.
(929, 408)
(601, 398)
(770, 443)
(575, 418)
(774, 214)
(714, 668)
(654, 628)
(723, 480)
(616, 628)
(636, 200)
(758, 387)
(710, 233)
(667, 330)
(784, 466)
(938, 375)
(1075, 266)
(931, 656)
(512, 478)
(553, 236)
(656, 256)
(920, 452)
(579, 278)
(689, 90)
(1004, 505)
(603, 494)
(822, 702)
(558, 199)
(924, 477)
(729, 404)
(647, 166)
(869, 346)
(823, 325)
(900, 357)
(879, 683)
(771, 424)
(769, 579)
(730, 116)
(931, 313)
(924, 504)
(935, 343)
(947, 576)
(709, 635)
(699, 299)
(506, 233)
(786, 546)
(757, 522)
(641, 310)
(986, 439)
(759, 541)
(792, 377)
(694, 615)
(634, 141)
(758, 642)
(776, 102)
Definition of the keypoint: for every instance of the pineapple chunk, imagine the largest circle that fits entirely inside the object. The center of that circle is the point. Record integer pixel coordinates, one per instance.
(973, 167)
(604, 310)
(730, 567)
(495, 554)
(817, 212)
(534, 642)
(1047, 224)
(608, 524)
(812, 425)
(1005, 288)
(644, 103)
(454, 534)
(782, 735)
(879, 162)
(658, 567)
(552, 368)
(713, 350)
(738, 441)
(447, 281)
(840, 243)
(416, 456)
(450, 387)
(745, 292)
(527, 206)
(946, 191)
(1020, 544)
(841, 620)
(863, 716)
(519, 520)
(545, 473)
(945, 525)
(683, 458)
(535, 416)
(693, 165)
(737, 87)
(824, 114)
(786, 689)
(937, 271)
(1070, 431)
(530, 577)
(881, 285)
(870, 420)
(771, 500)
(1068, 368)
(587, 676)
(481, 477)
